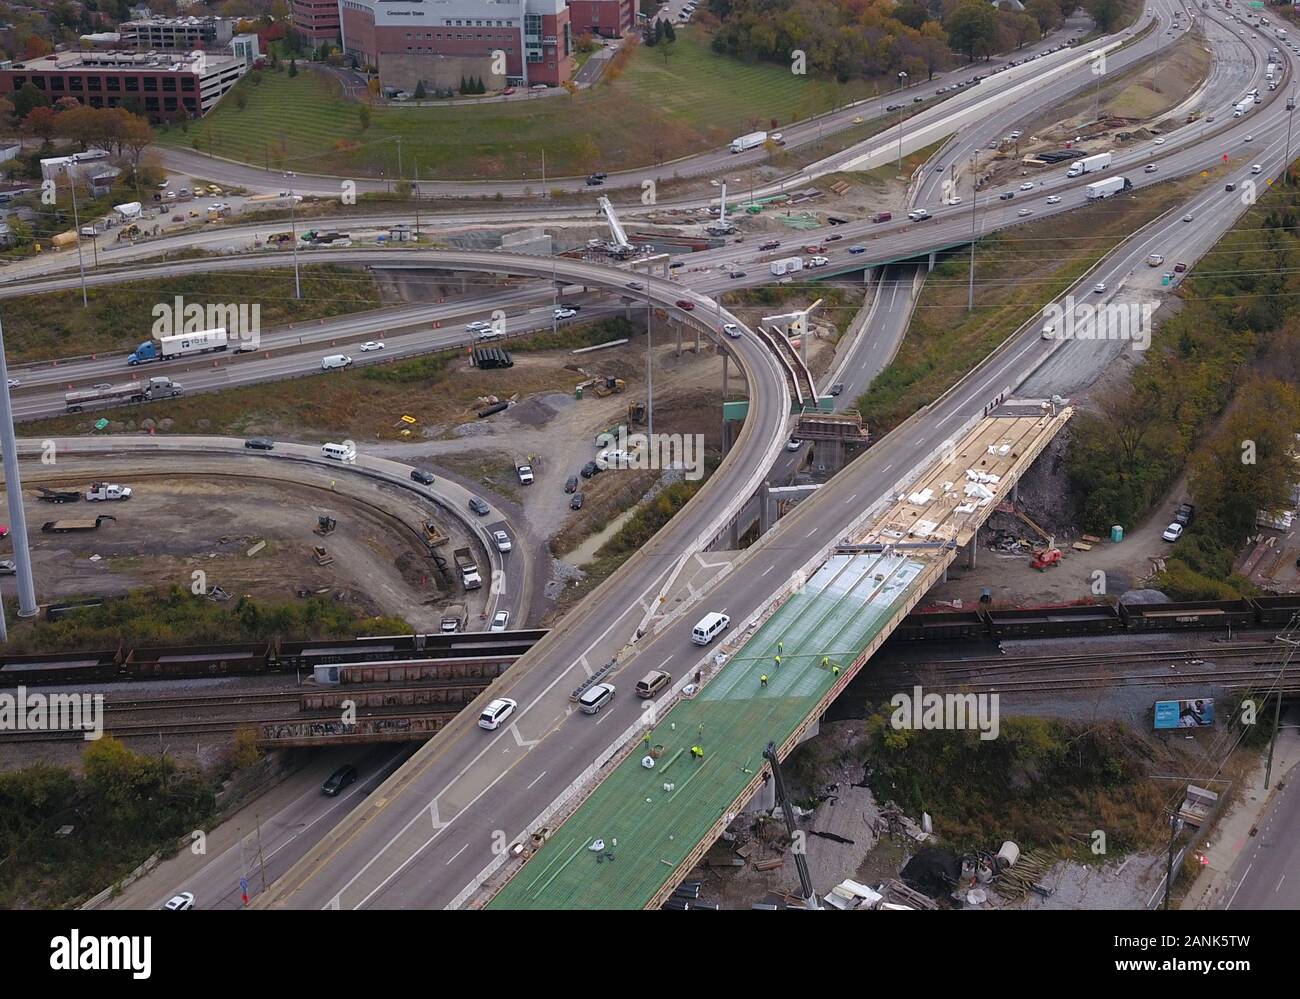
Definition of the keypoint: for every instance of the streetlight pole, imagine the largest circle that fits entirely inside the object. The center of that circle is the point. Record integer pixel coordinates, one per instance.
(970, 289)
(76, 223)
(293, 230)
(902, 80)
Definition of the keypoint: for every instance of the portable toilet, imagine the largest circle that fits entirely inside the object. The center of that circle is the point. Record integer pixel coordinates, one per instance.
(1116, 533)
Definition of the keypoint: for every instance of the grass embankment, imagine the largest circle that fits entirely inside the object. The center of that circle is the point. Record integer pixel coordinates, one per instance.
(126, 807)
(654, 111)
(1016, 273)
(632, 536)
(54, 325)
(174, 616)
(362, 403)
(1215, 396)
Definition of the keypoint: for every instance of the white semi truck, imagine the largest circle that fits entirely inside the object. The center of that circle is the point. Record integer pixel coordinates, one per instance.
(1089, 164)
(1106, 188)
(160, 387)
(167, 347)
(750, 141)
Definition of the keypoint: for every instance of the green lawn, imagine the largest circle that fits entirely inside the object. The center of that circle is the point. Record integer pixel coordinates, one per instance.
(657, 110)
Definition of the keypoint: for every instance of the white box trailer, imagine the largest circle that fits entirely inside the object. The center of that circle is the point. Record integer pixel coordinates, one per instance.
(788, 265)
(1241, 108)
(1089, 164)
(739, 145)
(1106, 188)
(193, 343)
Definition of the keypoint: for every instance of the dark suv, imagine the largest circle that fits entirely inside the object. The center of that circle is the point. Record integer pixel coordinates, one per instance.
(260, 443)
(590, 469)
(339, 779)
(422, 476)
(479, 507)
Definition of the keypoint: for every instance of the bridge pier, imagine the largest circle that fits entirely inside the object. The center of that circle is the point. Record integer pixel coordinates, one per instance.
(766, 508)
(764, 799)
(697, 341)
(970, 548)
(679, 341)
(726, 371)
(932, 256)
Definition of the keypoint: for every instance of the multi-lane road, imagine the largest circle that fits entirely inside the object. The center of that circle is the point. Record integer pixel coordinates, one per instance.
(430, 834)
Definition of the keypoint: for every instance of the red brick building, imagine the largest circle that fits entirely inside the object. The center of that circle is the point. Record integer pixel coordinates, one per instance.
(607, 18)
(316, 20)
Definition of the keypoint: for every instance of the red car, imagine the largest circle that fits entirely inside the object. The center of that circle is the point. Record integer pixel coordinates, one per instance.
(813, 248)
(4, 530)
(685, 304)
(507, 92)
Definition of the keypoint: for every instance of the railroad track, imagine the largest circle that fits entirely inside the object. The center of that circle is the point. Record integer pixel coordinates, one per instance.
(1236, 679)
(200, 702)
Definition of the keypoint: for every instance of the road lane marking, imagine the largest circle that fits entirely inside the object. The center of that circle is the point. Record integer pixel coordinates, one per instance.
(457, 854)
(535, 780)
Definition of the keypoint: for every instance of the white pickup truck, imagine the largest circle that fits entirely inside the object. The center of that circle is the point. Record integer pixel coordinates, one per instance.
(107, 491)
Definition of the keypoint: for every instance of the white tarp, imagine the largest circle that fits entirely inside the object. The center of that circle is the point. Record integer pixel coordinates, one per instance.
(131, 210)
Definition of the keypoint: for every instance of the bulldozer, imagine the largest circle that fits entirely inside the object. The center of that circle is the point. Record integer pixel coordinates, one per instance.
(609, 386)
(320, 556)
(325, 525)
(636, 412)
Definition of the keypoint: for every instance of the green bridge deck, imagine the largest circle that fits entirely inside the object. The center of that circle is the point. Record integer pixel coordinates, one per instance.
(652, 819)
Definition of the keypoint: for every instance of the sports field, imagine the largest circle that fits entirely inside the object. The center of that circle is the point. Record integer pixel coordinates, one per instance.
(657, 110)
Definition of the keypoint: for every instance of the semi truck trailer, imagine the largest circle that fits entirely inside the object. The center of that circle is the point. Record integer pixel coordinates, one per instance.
(750, 141)
(180, 345)
(159, 387)
(1106, 188)
(1089, 164)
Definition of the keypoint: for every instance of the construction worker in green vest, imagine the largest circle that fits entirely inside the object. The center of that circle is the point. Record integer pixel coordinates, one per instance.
(826, 662)
(762, 680)
(780, 647)
(697, 752)
(778, 661)
(648, 733)
(835, 671)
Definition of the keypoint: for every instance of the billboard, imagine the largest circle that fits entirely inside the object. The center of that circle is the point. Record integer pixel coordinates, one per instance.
(1195, 713)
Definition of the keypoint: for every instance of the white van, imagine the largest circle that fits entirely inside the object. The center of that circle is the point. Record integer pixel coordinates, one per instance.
(709, 628)
(332, 361)
(339, 452)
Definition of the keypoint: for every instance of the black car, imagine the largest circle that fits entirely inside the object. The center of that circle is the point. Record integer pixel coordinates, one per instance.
(571, 485)
(837, 388)
(771, 244)
(600, 175)
(479, 507)
(589, 469)
(594, 181)
(339, 779)
(1006, 195)
(576, 502)
(422, 476)
(260, 443)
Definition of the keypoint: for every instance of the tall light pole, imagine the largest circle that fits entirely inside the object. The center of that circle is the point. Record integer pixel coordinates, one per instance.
(970, 290)
(902, 80)
(14, 494)
(293, 230)
(76, 222)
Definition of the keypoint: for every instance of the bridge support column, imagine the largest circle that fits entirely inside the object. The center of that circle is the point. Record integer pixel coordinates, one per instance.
(679, 341)
(733, 535)
(931, 267)
(970, 549)
(766, 509)
(697, 341)
(627, 309)
(726, 371)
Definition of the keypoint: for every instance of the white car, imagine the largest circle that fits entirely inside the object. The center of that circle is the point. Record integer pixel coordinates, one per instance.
(497, 712)
(1173, 532)
(1055, 199)
(1049, 331)
(500, 621)
(1099, 287)
(817, 261)
(1027, 186)
(1256, 168)
(185, 900)
(954, 200)
(794, 444)
(478, 324)
(1150, 168)
(732, 330)
(565, 313)
(14, 383)
(1187, 217)
(1016, 134)
(1159, 140)
(1249, 138)
(1023, 212)
(372, 345)
(502, 540)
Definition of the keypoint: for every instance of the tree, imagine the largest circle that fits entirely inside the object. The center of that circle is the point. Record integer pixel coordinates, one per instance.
(41, 123)
(420, 92)
(241, 99)
(136, 136)
(27, 98)
(670, 33)
(1046, 12)
(363, 116)
(911, 13)
(1106, 13)
(971, 29)
(293, 68)
(587, 152)
(1025, 28)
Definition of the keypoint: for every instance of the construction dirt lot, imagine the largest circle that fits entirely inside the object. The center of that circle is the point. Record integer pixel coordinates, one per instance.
(207, 520)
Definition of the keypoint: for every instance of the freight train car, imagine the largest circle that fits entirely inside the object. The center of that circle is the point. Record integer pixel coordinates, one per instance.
(71, 668)
(1189, 616)
(174, 662)
(1085, 619)
(453, 696)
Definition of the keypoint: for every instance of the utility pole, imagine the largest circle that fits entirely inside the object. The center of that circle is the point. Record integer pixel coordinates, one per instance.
(14, 494)
(76, 224)
(399, 156)
(970, 289)
(417, 199)
(1175, 827)
(902, 81)
(545, 193)
(649, 367)
(293, 230)
(1288, 639)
